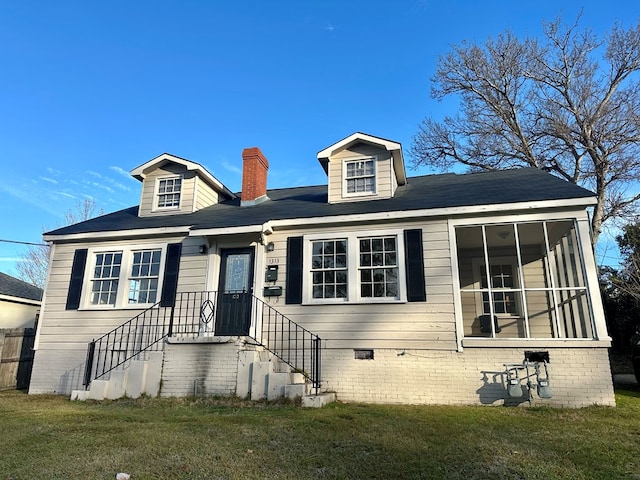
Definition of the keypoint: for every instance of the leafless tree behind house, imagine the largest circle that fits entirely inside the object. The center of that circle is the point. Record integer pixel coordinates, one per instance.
(569, 103)
(32, 266)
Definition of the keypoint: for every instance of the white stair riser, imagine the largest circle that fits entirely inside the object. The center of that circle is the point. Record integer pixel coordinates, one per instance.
(137, 378)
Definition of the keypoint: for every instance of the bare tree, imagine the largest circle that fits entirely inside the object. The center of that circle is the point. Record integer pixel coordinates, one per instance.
(626, 280)
(32, 267)
(569, 104)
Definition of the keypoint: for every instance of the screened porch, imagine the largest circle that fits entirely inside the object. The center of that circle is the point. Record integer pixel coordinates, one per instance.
(523, 280)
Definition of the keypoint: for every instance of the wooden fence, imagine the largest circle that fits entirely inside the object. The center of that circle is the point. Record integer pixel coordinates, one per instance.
(16, 357)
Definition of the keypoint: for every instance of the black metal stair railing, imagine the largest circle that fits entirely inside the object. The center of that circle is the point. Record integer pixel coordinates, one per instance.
(142, 333)
(194, 315)
(293, 344)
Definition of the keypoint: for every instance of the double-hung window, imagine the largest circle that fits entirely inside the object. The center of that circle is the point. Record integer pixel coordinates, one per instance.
(144, 276)
(126, 277)
(168, 192)
(355, 267)
(329, 268)
(360, 176)
(379, 267)
(504, 291)
(105, 278)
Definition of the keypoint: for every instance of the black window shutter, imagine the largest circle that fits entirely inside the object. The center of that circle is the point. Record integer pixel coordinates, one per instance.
(294, 270)
(170, 279)
(415, 265)
(77, 278)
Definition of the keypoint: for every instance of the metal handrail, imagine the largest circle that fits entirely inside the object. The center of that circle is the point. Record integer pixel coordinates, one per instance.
(193, 315)
(293, 344)
(142, 333)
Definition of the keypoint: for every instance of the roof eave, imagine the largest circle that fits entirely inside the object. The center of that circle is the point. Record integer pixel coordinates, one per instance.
(464, 210)
(13, 298)
(116, 234)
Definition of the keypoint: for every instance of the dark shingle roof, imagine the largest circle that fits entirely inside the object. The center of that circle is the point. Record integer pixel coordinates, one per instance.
(423, 192)
(13, 287)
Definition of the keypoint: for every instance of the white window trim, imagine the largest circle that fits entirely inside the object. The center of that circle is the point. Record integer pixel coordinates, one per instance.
(581, 220)
(123, 280)
(307, 261)
(156, 193)
(353, 267)
(345, 161)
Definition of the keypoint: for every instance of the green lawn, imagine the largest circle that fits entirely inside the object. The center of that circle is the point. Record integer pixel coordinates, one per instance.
(48, 437)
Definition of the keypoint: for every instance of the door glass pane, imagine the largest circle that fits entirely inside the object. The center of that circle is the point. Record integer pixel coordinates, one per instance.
(237, 272)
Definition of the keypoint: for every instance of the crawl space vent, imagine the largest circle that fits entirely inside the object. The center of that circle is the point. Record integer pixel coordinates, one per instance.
(363, 354)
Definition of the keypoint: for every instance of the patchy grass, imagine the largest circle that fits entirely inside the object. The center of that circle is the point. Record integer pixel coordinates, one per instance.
(48, 437)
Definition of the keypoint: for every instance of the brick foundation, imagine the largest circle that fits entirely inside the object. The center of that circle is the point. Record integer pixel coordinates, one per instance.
(578, 376)
(199, 369)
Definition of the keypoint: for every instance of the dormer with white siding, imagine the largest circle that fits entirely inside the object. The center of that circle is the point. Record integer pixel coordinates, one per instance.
(362, 167)
(172, 185)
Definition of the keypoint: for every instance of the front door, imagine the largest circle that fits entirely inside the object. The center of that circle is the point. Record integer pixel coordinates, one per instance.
(234, 298)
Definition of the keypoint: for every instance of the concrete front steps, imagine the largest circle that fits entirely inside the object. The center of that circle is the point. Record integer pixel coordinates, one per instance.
(260, 376)
(138, 377)
(263, 376)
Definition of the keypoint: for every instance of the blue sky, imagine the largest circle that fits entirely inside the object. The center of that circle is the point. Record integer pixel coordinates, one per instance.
(90, 90)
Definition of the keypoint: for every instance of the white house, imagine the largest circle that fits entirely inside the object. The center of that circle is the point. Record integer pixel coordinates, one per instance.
(19, 303)
(444, 289)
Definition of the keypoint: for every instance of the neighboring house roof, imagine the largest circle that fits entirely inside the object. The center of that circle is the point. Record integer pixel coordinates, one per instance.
(12, 287)
(447, 191)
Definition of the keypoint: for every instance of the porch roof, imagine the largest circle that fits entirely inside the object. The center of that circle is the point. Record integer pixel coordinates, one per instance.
(526, 185)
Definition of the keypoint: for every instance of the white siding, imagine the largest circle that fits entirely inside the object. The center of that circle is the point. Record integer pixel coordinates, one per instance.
(385, 176)
(17, 315)
(187, 194)
(64, 334)
(196, 193)
(429, 324)
(205, 195)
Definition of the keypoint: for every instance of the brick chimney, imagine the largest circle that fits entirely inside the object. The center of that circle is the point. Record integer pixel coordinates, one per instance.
(254, 177)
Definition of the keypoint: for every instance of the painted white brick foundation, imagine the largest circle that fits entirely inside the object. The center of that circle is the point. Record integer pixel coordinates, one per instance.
(578, 376)
(199, 369)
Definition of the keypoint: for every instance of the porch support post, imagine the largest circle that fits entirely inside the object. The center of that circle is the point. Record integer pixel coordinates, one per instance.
(590, 269)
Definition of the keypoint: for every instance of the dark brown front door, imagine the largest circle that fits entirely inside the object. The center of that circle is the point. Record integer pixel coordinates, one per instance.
(235, 293)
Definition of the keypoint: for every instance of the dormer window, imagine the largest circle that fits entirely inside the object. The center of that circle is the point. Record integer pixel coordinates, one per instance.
(361, 168)
(360, 177)
(168, 193)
